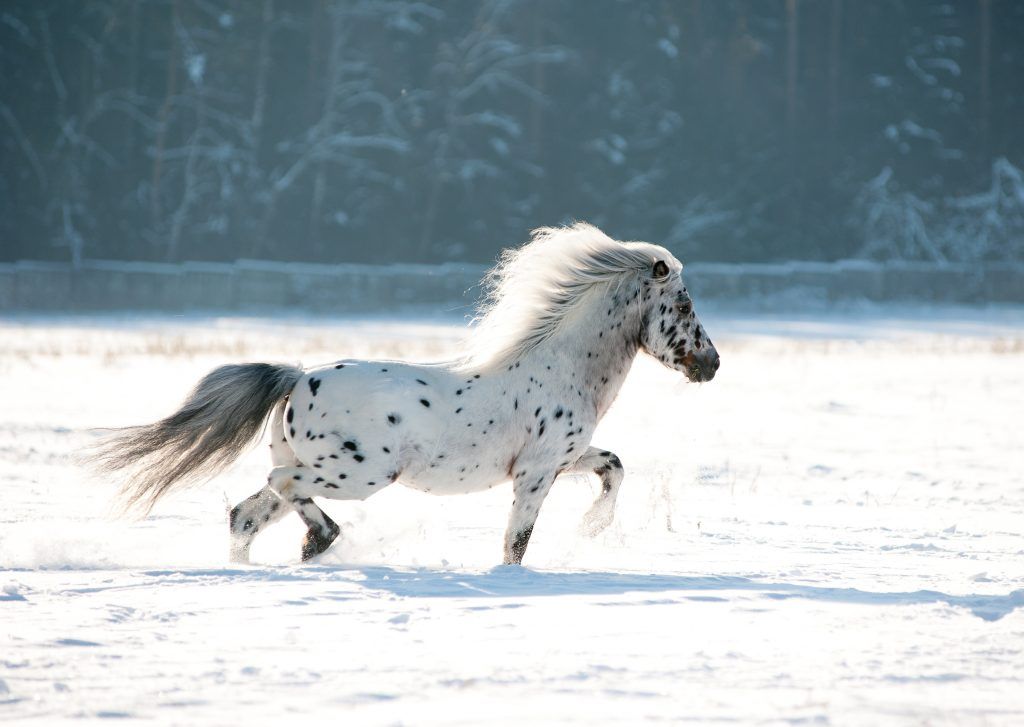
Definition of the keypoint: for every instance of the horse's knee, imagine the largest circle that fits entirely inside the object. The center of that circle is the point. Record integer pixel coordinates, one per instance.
(615, 475)
(610, 471)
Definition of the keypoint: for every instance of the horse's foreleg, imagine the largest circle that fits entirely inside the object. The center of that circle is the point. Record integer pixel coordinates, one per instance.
(530, 487)
(608, 467)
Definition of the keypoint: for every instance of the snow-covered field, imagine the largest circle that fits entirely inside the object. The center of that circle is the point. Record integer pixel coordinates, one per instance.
(830, 532)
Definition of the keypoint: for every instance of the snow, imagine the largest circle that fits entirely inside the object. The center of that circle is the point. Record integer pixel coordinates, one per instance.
(829, 532)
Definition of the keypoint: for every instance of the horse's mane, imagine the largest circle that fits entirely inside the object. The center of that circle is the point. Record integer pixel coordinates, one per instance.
(533, 288)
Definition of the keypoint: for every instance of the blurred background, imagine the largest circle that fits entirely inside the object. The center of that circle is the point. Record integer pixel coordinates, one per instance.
(443, 130)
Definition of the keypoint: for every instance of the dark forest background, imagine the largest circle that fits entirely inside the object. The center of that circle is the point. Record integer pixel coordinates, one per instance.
(435, 130)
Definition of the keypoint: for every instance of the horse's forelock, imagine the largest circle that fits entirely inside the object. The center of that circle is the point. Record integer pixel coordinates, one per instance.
(535, 286)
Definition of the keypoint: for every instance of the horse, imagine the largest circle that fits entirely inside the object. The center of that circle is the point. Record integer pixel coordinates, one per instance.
(560, 322)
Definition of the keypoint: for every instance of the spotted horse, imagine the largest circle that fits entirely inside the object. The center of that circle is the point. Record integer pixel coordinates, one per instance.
(562, 320)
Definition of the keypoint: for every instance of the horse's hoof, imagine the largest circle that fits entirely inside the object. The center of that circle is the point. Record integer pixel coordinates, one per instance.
(316, 541)
(238, 553)
(595, 522)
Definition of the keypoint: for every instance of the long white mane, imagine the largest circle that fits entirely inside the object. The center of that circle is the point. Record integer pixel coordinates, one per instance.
(533, 288)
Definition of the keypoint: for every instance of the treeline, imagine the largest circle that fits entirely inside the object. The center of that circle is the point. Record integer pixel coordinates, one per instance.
(433, 130)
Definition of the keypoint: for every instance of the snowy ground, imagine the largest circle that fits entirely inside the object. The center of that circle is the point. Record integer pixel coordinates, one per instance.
(829, 532)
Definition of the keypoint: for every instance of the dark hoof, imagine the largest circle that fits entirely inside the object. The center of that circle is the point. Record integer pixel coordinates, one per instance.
(317, 540)
(515, 550)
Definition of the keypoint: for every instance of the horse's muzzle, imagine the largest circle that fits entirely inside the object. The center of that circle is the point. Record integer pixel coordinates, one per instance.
(703, 368)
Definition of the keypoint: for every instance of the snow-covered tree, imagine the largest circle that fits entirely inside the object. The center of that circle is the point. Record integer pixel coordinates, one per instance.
(895, 222)
(473, 113)
(988, 225)
(428, 129)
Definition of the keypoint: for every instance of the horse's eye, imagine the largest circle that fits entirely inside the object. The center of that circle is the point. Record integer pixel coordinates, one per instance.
(684, 307)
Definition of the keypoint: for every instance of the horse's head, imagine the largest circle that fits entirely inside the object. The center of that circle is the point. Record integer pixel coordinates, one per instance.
(671, 331)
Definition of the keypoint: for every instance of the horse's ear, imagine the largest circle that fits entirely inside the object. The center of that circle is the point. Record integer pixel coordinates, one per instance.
(660, 270)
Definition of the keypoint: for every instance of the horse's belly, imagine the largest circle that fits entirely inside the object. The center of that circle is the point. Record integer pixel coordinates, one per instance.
(456, 479)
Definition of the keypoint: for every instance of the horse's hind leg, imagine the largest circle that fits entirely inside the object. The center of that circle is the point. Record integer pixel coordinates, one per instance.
(299, 485)
(249, 517)
(321, 530)
(279, 497)
(608, 467)
(264, 508)
(289, 485)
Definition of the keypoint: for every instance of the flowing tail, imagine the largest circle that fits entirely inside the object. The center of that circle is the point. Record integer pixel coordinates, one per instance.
(218, 421)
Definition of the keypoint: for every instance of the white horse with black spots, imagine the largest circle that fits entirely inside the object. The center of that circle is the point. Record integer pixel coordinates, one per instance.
(564, 316)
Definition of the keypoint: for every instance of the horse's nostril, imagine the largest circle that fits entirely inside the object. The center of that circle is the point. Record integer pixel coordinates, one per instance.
(718, 362)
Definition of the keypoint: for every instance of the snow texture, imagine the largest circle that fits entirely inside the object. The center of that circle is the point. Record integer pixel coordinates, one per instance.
(829, 532)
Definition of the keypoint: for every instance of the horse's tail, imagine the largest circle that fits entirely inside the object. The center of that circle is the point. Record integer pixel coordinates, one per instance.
(219, 419)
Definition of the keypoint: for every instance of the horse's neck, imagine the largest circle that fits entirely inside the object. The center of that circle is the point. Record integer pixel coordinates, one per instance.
(595, 352)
